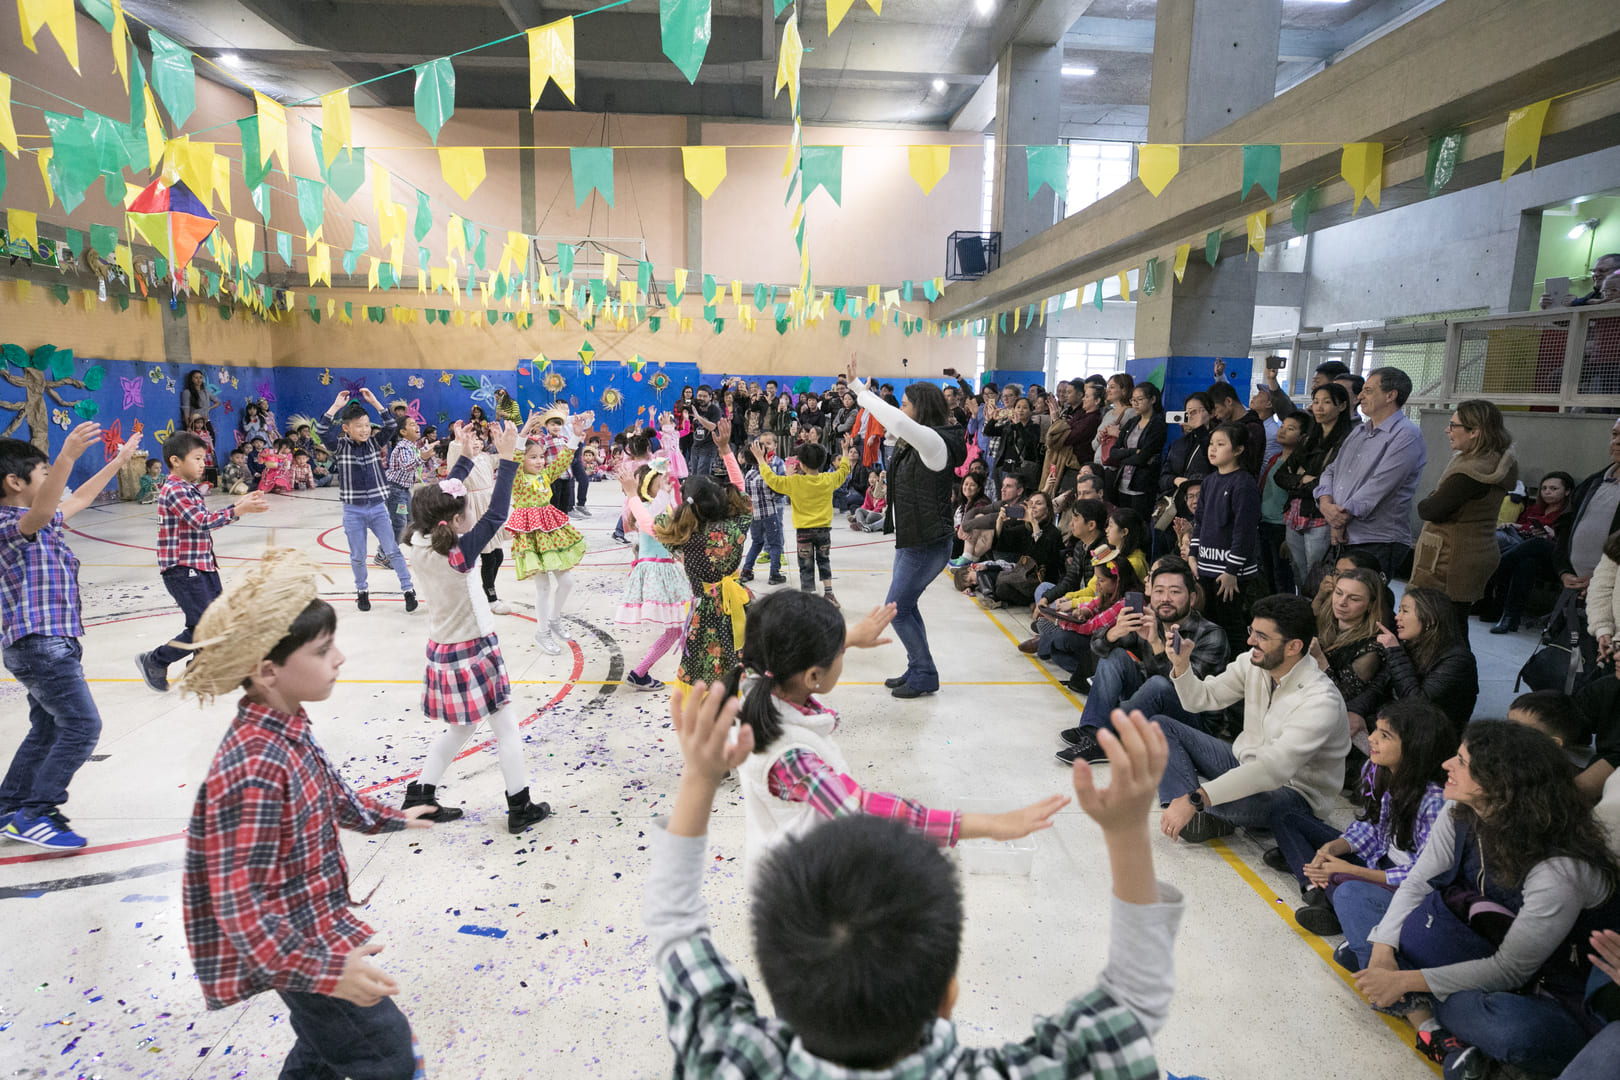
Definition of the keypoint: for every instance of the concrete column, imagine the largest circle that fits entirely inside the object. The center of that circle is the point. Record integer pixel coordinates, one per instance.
(1029, 98)
(526, 173)
(693, 206)
(1214, 61)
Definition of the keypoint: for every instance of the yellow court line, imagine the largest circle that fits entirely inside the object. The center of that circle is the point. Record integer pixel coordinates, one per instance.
(558, 682)
(1061, 688)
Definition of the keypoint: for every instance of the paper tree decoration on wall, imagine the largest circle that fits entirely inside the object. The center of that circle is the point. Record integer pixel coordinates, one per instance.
(42, 376)
(172, 220)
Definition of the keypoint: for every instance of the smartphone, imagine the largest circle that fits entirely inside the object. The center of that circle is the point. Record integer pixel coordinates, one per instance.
(1134, 602)
(1175, 418)
(1556, 287)
(1275, 363)
(1175, 640)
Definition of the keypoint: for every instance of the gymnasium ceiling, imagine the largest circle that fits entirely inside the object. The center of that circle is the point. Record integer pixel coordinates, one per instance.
(919, 64)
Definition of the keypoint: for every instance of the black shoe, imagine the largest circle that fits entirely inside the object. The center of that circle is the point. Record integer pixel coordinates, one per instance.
(1086, 746)
(746, 576)
(521, 813)
(895, 683)
(776, 579)
(1274, 859)
(1206, 826)
(906, 690)
(1345, 957)
(1079, 684)
(362, 601)
(1508, 624)
(1318, 916)
(410, 600)
(155, 675)
(1074, 735)
(423, 795)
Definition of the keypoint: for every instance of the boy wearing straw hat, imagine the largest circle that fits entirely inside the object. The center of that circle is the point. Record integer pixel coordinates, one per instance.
(266, 889)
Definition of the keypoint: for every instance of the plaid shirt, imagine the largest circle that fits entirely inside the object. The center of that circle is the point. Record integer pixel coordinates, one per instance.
(184, 525)
(767, 503)
(404, 464)
(802, 776)
(266, 888)
(1372, 841)
(39, 580)
(359, 465)
(716, 1029)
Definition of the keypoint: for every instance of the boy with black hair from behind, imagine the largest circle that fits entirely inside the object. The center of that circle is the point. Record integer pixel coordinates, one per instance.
(265, 889)
(185, 548)
(358, 450)
(40, 627)
(857, 928)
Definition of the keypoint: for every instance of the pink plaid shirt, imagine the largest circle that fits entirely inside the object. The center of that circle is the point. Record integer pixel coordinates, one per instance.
(184, 525)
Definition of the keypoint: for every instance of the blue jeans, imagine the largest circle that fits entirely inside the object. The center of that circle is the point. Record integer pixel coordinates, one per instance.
(915, 568)
(703, 459)
(1360, 906)
(193, 590)
(1531, 1032)
(1065, 648)
(1589, 1064)
(324, 481)
(1118, 683)
(1390, 555)
(337, 1039)
(399, 509)
(63, 724)
(1194, 754)
(1299, 835)
(764, 534)
(358, 519)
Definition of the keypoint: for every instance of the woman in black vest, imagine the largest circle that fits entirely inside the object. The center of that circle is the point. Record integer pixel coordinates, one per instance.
(929, 445)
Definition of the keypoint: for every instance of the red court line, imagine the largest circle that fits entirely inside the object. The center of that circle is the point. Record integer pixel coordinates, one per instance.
(93, 848)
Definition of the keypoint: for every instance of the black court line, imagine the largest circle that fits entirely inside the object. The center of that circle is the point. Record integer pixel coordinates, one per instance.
(615, 672)
(40, 888)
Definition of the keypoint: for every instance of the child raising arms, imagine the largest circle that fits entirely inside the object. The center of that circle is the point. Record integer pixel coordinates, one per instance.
(858, 928)
(545, 544)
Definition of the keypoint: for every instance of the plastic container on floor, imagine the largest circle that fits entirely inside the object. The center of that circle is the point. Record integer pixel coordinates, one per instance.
(1011, 858)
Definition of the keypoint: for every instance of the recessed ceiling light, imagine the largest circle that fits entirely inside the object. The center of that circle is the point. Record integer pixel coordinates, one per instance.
(230, 59)
(986, 6)
(1079, 71)
(940, 86)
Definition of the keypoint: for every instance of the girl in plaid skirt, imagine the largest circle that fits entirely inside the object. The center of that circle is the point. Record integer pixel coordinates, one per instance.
(465, 680)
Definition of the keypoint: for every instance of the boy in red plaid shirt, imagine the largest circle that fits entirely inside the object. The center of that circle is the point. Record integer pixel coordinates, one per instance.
(185, 547)
(266, 888)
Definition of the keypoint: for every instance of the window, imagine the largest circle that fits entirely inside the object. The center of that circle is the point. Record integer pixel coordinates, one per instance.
(1095, 169)
(987, 208)
(1079, 357)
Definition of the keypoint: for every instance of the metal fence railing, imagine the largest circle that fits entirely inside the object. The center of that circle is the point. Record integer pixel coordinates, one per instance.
(1564, 358)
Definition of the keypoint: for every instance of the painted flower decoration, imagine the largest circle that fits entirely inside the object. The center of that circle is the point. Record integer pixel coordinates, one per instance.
(554, 382)
(326, 376)
(485, 394)
(112, 438)
(387, 390)
(156, 375)
(413, 409)
(354, 386)
(416, 382)
(162, 434)
(132, 392)
(445, 377)
(169, 386)
(266, 391)
(61, 418)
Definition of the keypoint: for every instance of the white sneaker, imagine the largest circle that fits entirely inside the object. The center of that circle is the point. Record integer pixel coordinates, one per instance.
(559, 630)
(546, 643)
(499, 607)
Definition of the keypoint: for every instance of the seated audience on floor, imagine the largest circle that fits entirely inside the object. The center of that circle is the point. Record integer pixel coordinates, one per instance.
(1603, 600)
(1400, 796)
(1346, 645)
(978, 533)
(1177, 539)
(1065, 628)
(1088, 524)
(1594, 517)
(1427, 657)
(1289, 756)
(1528, 546)
(1225, 541)
(1133, 660)
(968, 501)
(1587, 726)
(1483, 944)
(1025, 554)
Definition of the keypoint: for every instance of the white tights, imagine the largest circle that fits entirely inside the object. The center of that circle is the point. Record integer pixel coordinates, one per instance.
(508, 748)
(551, 592)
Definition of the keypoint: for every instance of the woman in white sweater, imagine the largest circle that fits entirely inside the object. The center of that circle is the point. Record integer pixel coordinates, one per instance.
(1602, 601)
(1483, 947)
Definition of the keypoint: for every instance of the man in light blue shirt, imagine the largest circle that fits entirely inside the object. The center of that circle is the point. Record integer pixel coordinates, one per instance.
(1366, 491)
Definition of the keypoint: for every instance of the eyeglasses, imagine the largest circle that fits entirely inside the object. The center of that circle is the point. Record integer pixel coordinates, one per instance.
(1454, 425)
(1263, 637)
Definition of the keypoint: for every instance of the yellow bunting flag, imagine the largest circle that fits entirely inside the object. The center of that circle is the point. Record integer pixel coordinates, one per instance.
(1181, 260)
(154, 130)
(1124, 285)
(121, 43)
(836, 10)
(788, 57)
(382, 188)
(244, 240)
(610, 267)
(124, 261)
(371, 274)
(627, 293)
(1257, 231)
(795, 146)
(1157, 165)
(8, 126)
(272, 131)
(58, 17)
(1521, 141)
(736, 291)
(928, 165)
(391, 222)
(705, 167)
(551, 56)
(23, 225)
(680, 281)
(463, 168)
(335, 125)
(221, 179)
(1362, 167)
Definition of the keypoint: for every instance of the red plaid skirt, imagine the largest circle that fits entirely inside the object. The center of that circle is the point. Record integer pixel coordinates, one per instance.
(465, 681)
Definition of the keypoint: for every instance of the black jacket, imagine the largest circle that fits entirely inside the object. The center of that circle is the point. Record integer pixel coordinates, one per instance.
(1452, 684)
(1310, 459)
(1145, 456)
(1209, 648)
(1188, 456)
(1022, 445)
(1076, 568)
(1583, 494)
(921, 497)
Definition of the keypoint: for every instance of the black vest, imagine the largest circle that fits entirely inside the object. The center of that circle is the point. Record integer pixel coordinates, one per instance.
(920, 496)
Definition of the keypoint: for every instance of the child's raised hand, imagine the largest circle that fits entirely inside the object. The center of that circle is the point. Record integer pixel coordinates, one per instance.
(251, 503)
(703, 717)
(722, 431)
(1136, 756)
(127, 451)
(868, 633)
(80, 439)
(506, 439)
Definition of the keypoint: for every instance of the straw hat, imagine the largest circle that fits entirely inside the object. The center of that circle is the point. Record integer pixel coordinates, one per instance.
(557, 410)
(247, 620)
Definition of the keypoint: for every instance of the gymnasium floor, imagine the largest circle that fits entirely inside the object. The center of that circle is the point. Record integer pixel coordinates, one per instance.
(524, 956)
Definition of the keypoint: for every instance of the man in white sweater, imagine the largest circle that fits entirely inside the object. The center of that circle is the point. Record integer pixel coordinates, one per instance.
(1289, 758)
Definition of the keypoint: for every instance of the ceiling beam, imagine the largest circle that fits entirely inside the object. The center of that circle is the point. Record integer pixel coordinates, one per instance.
(1093, 34)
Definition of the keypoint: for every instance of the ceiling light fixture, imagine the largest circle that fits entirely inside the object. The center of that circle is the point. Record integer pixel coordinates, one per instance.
(986, 6)
(940, 86)
(1079, 71)
(1590, 223)
(230, 59)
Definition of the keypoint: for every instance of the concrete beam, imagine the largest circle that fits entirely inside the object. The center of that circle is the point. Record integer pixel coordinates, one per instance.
(980, 111)
(1395, 91)
(1092, 33)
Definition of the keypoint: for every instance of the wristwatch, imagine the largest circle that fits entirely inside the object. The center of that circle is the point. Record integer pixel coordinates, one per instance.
(1196, 799)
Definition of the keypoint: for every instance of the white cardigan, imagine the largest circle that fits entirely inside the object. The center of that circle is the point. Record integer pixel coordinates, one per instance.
(1602, 603)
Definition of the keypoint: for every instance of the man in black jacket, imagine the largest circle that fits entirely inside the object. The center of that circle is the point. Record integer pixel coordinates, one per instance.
(1229, 409)
(1134, 661)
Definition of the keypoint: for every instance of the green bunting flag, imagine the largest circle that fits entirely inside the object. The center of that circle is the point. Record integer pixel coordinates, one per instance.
(1304, 206)
(823, 167)
(593, 169)
(284, 248)
(478, 248)
(684, 25)
(565, 261)
(73, 158)
(843, 327)
(253, 170)
(1212, 247)
(1096, 297)
(1445, 150)
(348, 169)
(424, 218)
(1150, 277)
(104, 240)
(906, 290)
(310, 203)
(261, 201)
(1048, 165)
(644, 272)
(930, 291)
(1261, 165)
(173, 77)
(762, 295)
(435, 95)
(75, 242)
(710, 287)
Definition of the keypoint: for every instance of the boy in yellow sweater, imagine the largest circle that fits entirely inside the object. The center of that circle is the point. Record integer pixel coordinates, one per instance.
(810, 490)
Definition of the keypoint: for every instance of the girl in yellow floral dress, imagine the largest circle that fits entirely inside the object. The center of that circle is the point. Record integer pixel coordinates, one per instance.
(545, 544)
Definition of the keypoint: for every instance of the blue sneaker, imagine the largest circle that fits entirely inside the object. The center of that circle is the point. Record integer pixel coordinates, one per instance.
(155, 675)
(5, 819)
(49, 830)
